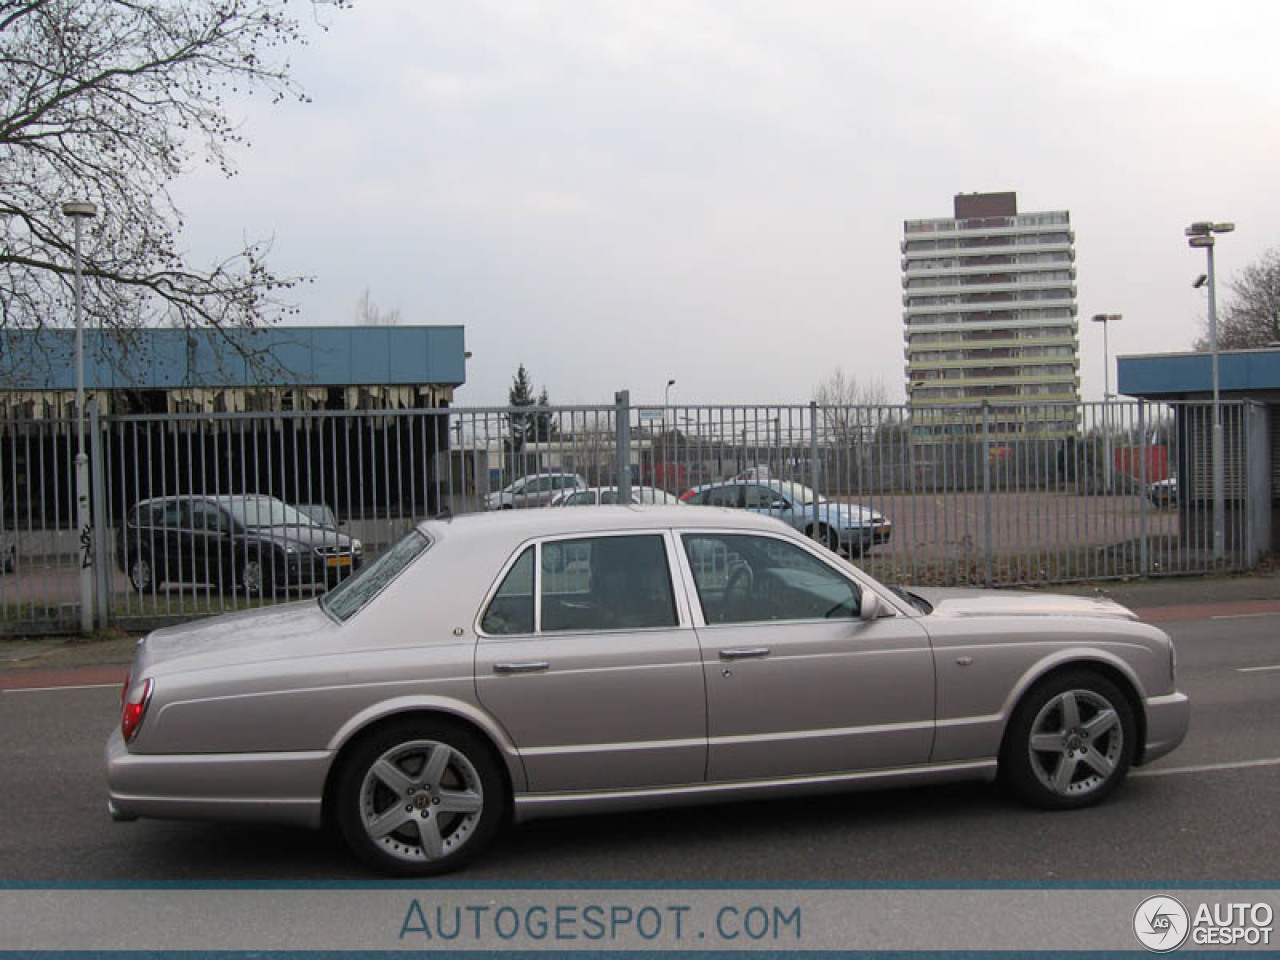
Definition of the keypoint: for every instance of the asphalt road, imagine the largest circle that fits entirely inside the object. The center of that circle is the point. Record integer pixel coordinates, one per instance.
(1206, 812)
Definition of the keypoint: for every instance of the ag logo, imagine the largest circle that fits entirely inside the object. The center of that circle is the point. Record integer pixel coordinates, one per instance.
(1161, 924)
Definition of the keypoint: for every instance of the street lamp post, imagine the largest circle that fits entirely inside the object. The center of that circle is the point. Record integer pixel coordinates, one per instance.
(1105, 319)
(1201, 234)
(79, 211)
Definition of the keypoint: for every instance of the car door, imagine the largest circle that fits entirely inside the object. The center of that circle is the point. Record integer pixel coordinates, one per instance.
(797, 682)
(588, 658)
(168, 541)
(209, 543)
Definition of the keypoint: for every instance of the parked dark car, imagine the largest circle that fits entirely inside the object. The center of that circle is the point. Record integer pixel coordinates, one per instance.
(1163, 494)
(248, 542)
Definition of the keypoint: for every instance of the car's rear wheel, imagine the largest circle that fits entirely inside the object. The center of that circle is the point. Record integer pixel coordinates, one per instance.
(1070, 742)
(419, 798)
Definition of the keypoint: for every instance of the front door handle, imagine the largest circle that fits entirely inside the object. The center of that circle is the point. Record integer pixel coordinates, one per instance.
(744, 653)
(532, 666)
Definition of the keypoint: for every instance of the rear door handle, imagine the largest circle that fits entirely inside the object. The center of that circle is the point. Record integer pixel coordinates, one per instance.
(744, 653)
(532, 666)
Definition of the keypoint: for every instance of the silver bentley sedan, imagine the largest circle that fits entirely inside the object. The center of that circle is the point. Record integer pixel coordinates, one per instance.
(547, 662)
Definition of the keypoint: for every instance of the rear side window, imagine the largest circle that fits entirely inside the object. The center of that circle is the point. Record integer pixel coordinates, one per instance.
(721, 496)
(606, 583)
(511, 609)
(589, 584)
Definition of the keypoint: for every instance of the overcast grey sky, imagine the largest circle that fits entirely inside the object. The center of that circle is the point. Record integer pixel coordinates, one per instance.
(620, 193)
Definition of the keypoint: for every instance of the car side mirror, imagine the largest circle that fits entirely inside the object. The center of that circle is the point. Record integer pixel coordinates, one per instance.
(872, 607)
(779, 505)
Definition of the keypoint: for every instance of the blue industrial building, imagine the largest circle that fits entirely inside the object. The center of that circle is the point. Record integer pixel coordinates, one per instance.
(237, 411)
(1249, 387)
(217, 371)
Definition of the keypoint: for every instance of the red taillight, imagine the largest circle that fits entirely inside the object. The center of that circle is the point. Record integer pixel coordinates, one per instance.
(134, 711)
(687, 495)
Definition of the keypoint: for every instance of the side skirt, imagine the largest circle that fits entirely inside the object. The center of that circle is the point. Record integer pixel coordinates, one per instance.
(533, 806)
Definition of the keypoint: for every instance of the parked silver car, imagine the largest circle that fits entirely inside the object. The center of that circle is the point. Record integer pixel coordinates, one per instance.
(533, 490)
(846, 527)
(607, 496)
(571, 661)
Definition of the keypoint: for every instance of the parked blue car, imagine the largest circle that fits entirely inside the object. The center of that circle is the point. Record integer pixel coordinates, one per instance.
(842, 527)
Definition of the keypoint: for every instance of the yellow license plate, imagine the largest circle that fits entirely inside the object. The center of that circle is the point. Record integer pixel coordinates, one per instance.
(338, 562)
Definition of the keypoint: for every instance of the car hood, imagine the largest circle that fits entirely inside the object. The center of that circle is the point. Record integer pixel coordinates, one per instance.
(967, 602)
(251, 636)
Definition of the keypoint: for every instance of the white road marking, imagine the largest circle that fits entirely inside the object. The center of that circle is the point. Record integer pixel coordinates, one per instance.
(80, 686)
(1209, 767)
(1245, 616)
(1256, 669)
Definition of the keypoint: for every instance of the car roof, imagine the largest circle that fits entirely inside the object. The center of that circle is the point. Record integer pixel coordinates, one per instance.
(521, 525)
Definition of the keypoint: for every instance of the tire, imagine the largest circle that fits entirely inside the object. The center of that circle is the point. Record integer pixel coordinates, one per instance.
(142, 575)
(827, 537)
(1070, 741)
(419, 797)
(255, 577)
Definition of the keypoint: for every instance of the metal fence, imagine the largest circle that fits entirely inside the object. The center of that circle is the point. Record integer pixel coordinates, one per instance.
(986, 495)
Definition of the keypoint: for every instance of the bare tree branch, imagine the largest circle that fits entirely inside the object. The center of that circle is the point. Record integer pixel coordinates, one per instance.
(109, 101)
(1251, 315)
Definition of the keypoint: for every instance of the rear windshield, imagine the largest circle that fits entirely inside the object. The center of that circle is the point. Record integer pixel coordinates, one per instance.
(351, 594)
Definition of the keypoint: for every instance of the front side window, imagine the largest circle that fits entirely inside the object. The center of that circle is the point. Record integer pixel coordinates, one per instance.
(584, 499)
(752, 579)
(205, 516)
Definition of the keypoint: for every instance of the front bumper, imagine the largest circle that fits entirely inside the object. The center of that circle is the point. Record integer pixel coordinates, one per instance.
(261, 787)
(860, 539)
(1168, 719)
(299, 569)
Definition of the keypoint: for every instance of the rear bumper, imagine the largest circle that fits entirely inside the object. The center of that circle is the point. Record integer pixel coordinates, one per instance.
(1168, 719)
(260, 787)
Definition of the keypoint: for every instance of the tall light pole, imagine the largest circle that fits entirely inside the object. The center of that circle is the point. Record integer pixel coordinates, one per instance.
(666, 402)
(1201, 235)
(79, 211)
(1105, 319)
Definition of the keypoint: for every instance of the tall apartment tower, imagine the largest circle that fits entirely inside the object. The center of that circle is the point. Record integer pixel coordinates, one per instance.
(990, 316)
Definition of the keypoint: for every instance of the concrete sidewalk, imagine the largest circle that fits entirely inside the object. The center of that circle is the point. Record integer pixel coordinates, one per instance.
(71, 652)
(1179, 591)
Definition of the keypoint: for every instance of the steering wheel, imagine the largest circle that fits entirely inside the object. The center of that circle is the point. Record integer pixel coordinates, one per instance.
(741, 582)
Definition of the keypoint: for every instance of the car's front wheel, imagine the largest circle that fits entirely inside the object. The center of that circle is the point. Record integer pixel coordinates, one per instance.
(827, 536)
(1070, 742)
(255, 576)
(419, 798)
(141, 573)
